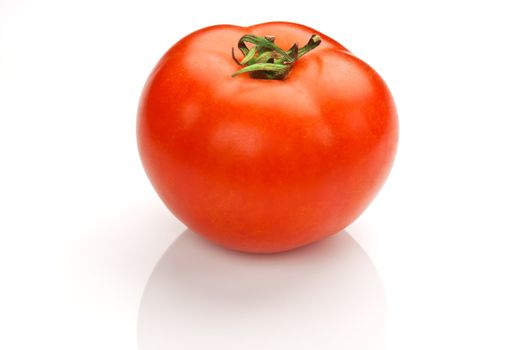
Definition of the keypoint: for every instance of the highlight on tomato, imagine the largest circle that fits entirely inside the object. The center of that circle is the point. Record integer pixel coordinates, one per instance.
(275, 144)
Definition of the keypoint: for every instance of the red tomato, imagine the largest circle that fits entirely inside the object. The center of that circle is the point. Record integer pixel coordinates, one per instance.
(273, 160)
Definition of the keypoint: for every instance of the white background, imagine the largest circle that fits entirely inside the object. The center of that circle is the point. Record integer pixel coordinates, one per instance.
(436, 262)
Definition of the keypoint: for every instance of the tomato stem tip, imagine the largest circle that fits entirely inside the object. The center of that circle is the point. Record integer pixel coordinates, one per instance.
(265, 60)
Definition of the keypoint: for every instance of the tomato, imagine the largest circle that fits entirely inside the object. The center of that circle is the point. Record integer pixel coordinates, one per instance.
(283, 151)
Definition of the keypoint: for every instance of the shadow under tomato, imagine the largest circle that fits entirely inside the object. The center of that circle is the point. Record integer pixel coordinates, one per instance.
(326, 295)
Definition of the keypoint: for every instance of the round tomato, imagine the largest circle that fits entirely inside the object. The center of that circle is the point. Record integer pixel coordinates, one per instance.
(270, 147)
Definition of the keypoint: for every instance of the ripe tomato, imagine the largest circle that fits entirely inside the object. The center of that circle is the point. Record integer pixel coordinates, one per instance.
(275, 159)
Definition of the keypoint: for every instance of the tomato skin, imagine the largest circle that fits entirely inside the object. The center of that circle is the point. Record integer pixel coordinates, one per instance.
(265, 165)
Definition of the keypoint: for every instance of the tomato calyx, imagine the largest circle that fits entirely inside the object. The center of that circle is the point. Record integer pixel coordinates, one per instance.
(265, 60)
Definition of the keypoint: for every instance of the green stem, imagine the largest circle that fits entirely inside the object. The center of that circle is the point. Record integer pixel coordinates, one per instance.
(265, 60)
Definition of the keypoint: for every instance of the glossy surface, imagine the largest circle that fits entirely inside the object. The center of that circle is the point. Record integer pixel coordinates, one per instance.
(258, 165)
(261, 302)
